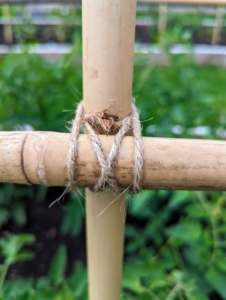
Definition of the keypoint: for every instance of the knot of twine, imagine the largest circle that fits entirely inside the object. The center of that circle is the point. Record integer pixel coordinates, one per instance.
(106, 124)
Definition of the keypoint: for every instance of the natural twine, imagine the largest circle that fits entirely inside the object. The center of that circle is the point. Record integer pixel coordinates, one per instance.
(106, 124)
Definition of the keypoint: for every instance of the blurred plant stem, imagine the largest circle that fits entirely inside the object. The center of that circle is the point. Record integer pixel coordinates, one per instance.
(7, 28)
(4, 270)
(218, 26)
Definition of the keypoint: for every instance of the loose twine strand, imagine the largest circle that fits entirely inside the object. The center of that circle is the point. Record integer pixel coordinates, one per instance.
(107, 124)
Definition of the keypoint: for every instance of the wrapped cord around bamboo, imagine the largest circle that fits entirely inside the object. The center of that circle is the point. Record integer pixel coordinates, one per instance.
(108, 124)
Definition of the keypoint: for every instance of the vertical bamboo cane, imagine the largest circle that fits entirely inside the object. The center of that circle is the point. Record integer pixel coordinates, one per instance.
(108, 40)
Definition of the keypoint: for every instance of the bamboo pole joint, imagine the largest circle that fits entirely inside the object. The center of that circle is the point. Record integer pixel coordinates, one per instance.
(109, 124)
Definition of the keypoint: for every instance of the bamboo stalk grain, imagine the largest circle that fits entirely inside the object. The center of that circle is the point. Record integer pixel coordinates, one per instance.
(180, 164)
(108, 42)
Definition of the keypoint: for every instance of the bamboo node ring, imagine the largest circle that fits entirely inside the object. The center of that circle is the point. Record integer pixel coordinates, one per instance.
(108, 124)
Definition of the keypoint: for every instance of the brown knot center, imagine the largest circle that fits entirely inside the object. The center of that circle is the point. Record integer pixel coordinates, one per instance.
(104, 123)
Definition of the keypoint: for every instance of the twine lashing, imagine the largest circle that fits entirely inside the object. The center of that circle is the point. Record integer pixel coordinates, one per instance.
(106, 124)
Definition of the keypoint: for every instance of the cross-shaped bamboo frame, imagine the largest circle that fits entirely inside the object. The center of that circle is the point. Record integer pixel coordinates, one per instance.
(40, 157)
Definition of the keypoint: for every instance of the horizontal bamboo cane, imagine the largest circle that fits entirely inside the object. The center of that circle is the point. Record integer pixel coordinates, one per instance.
(40, 158)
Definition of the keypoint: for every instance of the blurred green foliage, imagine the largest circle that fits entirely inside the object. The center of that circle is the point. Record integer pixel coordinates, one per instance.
(29, 25)
(179, 250)
(38, 93)
(52, 287)
(175, 240)
(10, 250)
(180, 98)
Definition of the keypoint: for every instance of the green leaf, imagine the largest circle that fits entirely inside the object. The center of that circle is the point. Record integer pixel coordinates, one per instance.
(26, 239)
(58, 266)
(11, 245)
(17, 287)
(78, 281)
(23, 256)
(18, 213)
(216, 279)
(43, 282)
(178, 199)
(185, 232)
(73, 212)
(4, 216)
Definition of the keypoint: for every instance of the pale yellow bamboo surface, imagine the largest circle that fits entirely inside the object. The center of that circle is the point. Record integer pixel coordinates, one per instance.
(108, 42)
(40, 158)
